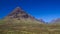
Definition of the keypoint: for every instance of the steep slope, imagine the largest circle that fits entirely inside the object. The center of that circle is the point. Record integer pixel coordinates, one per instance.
(19, 21)
(20, 15)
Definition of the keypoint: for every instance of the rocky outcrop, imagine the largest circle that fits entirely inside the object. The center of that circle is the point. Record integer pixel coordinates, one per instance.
(19, 13)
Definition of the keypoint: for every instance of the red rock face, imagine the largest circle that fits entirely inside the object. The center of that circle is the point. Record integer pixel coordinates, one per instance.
(19, 13)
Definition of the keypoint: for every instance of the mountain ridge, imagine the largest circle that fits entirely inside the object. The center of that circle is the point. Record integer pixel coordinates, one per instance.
(19, 14)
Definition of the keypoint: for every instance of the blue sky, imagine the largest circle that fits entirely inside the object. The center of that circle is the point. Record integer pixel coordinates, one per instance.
(40, 9)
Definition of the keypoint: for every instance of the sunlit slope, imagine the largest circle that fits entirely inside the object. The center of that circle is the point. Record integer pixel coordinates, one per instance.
(22, 26)
(15, 26)
(19, 22)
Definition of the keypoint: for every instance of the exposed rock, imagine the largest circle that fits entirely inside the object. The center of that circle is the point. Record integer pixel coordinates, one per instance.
(19, 13)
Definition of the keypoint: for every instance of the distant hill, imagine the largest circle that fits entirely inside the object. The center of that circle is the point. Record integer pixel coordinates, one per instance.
(55, 21)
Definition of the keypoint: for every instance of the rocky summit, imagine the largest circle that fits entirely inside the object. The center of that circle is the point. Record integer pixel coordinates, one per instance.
(19, 13)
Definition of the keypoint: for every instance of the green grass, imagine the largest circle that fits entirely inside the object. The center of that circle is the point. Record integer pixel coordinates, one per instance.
(26, 27)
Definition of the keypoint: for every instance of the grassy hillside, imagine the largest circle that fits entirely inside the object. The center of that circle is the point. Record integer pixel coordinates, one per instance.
(27, 27)
(21, 27)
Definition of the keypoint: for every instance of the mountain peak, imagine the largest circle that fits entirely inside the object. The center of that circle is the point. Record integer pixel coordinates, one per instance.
(18, 8)
(19, 13)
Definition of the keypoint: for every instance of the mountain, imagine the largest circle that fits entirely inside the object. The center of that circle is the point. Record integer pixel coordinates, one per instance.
(55, 21)
(19, 21)
(20, 15)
